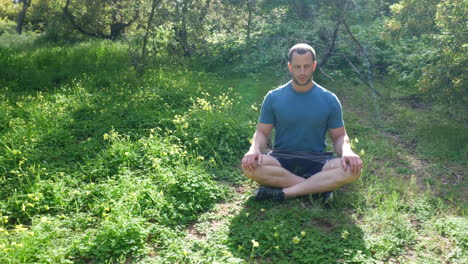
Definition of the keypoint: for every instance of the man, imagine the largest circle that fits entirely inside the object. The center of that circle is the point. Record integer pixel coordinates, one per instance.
(302, 112)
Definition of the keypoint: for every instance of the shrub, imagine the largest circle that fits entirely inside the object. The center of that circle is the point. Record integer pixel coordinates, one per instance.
(115, 239)
(7, 26)
(212, 130)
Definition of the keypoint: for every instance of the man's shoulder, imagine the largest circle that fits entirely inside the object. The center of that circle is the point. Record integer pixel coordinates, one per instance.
(281, 89)
(323, 90)
(326, 93)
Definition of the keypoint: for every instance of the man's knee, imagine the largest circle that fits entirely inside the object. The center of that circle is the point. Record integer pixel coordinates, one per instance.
(255, 173)
(350, 176)
(249, 173)
(346, 174)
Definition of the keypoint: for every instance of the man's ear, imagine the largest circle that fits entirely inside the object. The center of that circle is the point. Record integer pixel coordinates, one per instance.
(289, 66)
(314, 66)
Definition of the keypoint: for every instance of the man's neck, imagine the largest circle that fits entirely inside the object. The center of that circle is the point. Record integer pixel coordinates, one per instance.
(302, 88)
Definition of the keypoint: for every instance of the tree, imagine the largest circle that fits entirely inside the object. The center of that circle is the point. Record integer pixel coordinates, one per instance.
(440, 30)
(250, 10)
(141, 66)
(301, 8)
(189, 22)
(22, 14)
(102, 19)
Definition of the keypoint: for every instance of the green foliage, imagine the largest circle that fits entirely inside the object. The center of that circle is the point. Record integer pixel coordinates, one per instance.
(8, 10)
(213, 118)
(414, 17)
(454, 228)
(49, 67)
(447, 140)
(437, 41)
(290, 234)
(94, 160)
(6, 26)
(99, 164)
(38, 243)
(115, 238)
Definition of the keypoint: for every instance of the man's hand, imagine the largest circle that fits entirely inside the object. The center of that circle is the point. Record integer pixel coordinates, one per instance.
(251, 160)
(353, 160)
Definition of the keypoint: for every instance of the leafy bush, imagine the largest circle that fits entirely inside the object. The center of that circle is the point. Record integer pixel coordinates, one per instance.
(48, 240)
(115, 239)
(435, 45)
(212, 130)
(6, 26)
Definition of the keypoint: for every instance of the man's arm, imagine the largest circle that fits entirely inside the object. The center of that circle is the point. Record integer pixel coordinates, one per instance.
(342, 146)
(253, 157)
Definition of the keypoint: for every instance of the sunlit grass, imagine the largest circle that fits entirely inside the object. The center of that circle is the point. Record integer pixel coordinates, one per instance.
(99, 165)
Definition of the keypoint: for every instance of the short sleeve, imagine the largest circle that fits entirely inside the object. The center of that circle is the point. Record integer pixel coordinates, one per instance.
(335, 119)
(266, 113)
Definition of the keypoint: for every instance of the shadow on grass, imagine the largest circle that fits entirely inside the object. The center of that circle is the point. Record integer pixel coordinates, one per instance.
(298, 231)
(79, 137)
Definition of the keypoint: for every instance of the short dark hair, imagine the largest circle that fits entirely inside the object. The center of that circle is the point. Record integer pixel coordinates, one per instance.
(301, 48)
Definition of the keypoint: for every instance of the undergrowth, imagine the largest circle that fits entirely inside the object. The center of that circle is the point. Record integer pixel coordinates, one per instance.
(100, 165)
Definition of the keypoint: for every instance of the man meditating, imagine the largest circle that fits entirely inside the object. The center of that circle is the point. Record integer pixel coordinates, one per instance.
(301, 112)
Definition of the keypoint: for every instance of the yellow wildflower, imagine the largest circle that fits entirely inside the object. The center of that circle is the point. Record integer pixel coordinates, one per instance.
(296, 240)
(255, 243)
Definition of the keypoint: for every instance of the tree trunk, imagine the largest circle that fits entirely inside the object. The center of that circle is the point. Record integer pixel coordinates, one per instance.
(182, 32)
(249, 19)
(117, 30)
(142, 61)
(148, 27)
(301, 8)
(21, 16)
(331, 45)
(204, 11)
(117, 26)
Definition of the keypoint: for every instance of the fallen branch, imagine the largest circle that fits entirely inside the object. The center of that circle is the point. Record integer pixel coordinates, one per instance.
(359, 75)
(454, 173)
(332, 45)
(326, 75)
(363, 51)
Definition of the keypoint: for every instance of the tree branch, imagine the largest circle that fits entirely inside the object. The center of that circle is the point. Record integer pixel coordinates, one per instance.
(325, 74)
(141, 66)
(362, 50)
(150, 21)
(77, 26)
(360, 76)
(332, 45)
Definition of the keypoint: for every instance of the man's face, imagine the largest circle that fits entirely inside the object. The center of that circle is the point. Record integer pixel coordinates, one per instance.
(301, 68)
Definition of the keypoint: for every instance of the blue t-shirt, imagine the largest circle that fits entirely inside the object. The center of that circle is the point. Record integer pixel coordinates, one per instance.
(301, 120)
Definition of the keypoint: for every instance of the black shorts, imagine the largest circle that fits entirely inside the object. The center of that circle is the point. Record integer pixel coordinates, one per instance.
(303, 164)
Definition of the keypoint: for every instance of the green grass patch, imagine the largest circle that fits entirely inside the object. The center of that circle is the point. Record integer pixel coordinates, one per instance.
(100, 165)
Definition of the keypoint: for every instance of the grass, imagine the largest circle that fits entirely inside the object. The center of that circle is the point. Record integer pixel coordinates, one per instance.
(98, 165)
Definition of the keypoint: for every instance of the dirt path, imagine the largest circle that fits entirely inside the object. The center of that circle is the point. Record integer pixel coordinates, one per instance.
(424, 169)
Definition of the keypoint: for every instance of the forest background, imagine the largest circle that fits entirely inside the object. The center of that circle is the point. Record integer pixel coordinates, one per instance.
(122, 124)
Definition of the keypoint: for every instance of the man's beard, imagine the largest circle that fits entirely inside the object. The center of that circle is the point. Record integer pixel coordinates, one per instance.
(307, 81)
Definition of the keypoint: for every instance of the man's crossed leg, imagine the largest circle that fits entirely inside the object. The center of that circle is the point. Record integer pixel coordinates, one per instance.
(288, 185)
